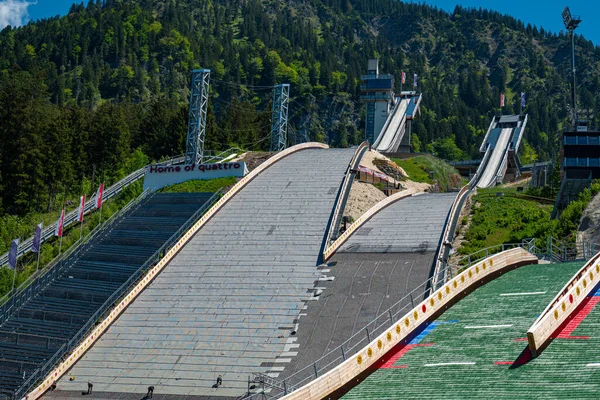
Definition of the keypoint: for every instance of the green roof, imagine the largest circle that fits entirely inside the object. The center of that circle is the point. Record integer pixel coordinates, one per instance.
(482, 335)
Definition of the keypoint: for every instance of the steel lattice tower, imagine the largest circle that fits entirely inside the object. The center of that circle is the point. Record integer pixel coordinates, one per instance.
(279, 116)
(194, 149)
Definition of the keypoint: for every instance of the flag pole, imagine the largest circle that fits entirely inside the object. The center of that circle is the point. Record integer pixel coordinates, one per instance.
(81, 230)
(62, 233)
(101, 205)
(16, 266)
(14, 278)
(60, 244)
(37, 267)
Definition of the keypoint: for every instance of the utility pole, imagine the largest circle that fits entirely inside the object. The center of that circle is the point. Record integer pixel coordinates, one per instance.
(571, 23)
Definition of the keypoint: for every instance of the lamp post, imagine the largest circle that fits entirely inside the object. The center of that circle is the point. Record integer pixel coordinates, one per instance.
(571, 23)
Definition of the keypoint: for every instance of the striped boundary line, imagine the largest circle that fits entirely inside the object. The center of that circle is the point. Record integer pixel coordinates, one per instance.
(89, 341)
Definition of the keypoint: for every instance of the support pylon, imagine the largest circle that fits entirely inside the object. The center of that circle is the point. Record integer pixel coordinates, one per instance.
(279, 116)
(194, 149)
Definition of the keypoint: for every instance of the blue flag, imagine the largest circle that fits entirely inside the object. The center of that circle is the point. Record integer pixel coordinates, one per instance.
(37, 238)
(415, 82)
(12, 254)
(523, 99)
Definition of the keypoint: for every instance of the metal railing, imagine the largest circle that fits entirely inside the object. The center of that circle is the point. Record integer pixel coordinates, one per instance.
(441, 261)
(553, 250)
(39, 280)
(71, 217)
(340, 205)
(43, 371)
(222, 155)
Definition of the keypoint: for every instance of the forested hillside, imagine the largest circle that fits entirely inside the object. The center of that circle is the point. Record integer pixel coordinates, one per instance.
(105, 88)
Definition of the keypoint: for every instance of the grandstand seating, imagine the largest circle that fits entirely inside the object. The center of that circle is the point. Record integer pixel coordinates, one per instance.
(37, 330)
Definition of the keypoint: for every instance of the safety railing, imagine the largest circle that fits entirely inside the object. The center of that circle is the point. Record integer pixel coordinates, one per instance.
(553, 250)
(47, 233)
(39, 280)
(439, 275)
(440, 270)
(341, 201)
(116, 295)
(492, 126)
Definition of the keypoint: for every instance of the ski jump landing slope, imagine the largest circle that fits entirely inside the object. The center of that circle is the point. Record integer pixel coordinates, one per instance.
(498, 156)
(228, 301)
(393, 130)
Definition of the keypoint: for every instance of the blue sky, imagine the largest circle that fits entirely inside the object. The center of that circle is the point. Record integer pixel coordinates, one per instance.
(544, 13)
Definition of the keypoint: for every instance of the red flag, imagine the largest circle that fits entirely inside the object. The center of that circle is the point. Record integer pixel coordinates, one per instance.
(403, 77)
(99, 195)
(502, 98)
(59, 224)
(81, 209)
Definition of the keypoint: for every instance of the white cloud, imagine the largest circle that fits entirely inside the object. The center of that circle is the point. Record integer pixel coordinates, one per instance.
(13, 13)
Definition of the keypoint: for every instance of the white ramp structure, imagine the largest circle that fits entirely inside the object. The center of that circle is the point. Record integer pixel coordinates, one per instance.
(500, 147)
(395, 134)
(228, 301)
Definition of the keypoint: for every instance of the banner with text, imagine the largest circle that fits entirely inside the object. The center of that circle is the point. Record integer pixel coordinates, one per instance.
(159, 176)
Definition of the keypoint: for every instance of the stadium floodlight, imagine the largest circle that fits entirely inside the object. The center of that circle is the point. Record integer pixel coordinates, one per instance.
(571, 23)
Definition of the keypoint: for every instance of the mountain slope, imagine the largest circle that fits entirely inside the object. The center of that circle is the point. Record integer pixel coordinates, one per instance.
(136, 54)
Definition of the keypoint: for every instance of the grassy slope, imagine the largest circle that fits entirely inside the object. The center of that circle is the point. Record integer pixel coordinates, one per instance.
(195, 186)
(505, 219)
(418, 169)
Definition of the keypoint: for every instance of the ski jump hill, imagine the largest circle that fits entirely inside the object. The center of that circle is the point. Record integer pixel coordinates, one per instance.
(260, 289)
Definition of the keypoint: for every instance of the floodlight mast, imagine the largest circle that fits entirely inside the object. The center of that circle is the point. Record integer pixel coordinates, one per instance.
(571, 23)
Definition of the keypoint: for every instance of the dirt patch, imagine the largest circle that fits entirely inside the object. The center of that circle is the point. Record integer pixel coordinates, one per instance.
(519, 182)
(378, 162)
(362, 197)
(254, 158)
(373, 159)
(418, 186)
